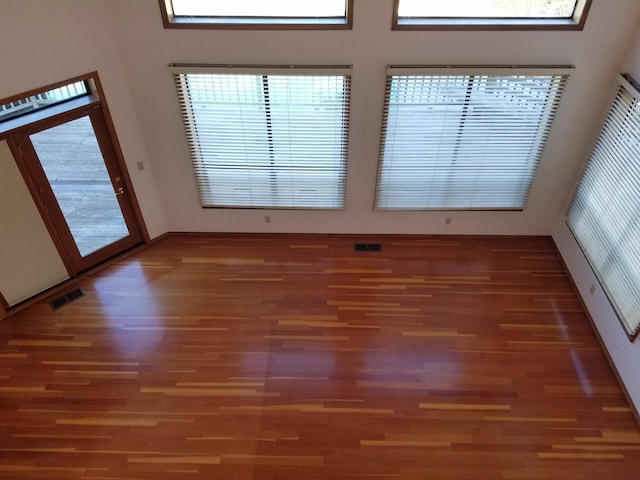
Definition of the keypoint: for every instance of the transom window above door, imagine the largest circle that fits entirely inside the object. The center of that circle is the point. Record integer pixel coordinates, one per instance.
(257, 14)
(40, 100)
(490, 14)
(604, 214)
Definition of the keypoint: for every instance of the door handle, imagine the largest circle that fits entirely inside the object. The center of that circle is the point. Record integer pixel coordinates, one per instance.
(120, 191)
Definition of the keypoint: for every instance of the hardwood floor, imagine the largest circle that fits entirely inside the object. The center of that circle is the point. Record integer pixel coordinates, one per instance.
(294, 357)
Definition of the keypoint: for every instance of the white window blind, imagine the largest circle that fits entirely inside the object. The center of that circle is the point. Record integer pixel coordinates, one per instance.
(268, 138)
(464, 139)
(604, 213)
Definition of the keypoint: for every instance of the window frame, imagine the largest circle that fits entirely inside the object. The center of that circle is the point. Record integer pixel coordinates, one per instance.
(198, 149)
(576, 22)
(37, 97)
(608, 156)
(386, 185)
(255, 23)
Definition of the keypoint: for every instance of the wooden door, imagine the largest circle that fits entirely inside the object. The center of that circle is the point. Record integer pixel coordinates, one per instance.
(78, 182)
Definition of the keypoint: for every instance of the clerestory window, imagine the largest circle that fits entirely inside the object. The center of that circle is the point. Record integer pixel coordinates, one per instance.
(490, 14)
(258, 14)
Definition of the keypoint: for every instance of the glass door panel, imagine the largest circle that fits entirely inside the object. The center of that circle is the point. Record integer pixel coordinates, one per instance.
(71, 158)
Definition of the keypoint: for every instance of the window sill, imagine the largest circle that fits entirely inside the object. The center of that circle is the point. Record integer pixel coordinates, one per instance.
(232, 23)
(485, 24)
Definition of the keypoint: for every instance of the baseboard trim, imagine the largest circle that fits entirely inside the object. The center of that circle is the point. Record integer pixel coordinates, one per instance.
(612, 364)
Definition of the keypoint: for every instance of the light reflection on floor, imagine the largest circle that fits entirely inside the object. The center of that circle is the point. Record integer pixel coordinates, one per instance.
(136, 322)
(581, 372)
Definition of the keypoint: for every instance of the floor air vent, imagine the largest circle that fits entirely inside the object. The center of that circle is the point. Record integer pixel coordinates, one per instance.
(367, 247)
(68, 297)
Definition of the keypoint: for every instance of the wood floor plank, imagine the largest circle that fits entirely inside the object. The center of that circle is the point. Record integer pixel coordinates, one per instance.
(292, 357)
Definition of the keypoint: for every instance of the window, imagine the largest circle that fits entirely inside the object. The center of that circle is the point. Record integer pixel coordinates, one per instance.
(604, 214)
(271, 139)
(459, 138)
(257, 14)
(41, 100)
(490, 14)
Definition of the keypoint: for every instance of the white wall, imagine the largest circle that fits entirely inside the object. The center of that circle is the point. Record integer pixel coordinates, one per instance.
(30, 262)
(625, 354)
(147, 48)
(42, 42)
(631, 62)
